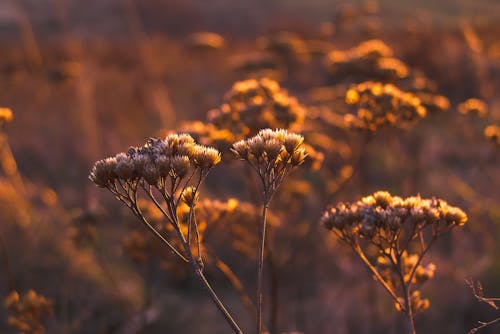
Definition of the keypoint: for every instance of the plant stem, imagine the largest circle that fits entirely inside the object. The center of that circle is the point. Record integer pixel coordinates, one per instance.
(408, 310)
(262, 236)
(198, 270)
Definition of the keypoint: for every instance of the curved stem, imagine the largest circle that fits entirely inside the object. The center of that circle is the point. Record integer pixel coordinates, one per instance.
(377, 275)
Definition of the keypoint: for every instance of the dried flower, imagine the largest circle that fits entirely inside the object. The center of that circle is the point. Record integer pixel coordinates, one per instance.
(379, 105)
(28, 311)
(6, 115)
(475, 107)
(492, 133)
(391, 225)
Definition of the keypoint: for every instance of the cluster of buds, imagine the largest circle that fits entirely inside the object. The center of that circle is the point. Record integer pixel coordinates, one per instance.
(378, 105)
(272, 154)
(370, 59)
(252, 105)
(393, 226)
(418, 303)
(156, 163)
(412, 271)
(473, 107)
(492, 133)
(382, 217)
(28, 311)
(6, 116)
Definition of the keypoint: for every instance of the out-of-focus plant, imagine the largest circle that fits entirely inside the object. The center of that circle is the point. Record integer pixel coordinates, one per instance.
(371, 59)
(28, 311)
(400, 231)
(477, 290)
(474, 107)
(379, 105)
(492, 133)
(273, 155)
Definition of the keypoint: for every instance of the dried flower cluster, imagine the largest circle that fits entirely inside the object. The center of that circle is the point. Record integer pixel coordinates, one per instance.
(252, 105)
(379, 105)
(170, 173)
(6, 115)
(272, 154)
(161, 163)
(401, 230)
(370, 59)
(28, 311)
(473, 107)
(492, 133)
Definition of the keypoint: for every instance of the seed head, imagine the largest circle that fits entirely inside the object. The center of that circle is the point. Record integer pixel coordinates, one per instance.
(6, 115)
(190, 196)
(206, 157)
(102, 172)
(180, 165)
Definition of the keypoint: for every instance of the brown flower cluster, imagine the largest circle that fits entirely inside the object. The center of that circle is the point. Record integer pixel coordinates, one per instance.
(379, 105)
(370, 59)
(6, 115)
(272, 154)
(381, 217)
(158, 163)
(473, 107)
(28, 311)
(252, 105)
(400, 230)
(492, 133)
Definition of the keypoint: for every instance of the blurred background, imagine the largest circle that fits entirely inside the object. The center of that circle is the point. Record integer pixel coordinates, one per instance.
(87, 79)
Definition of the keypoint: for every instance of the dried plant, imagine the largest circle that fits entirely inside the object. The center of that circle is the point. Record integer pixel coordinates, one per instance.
(370, 59)
(379, 105)
(492, 133)
(272, 154)
(28, 311)
(477, 290)
(473, 107)
(400, 232)
(169, 172)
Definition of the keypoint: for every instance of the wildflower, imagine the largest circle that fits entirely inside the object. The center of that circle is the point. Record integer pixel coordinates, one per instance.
(379, 105)
(391, 225)
(27, 311)
(6, 115)
(475, 107)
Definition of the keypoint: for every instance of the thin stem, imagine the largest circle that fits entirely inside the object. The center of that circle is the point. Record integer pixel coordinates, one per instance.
(139, 215)
(236, 284)
(483, 324)
(262, 236)
(199, 273)
(406, 293)
(377, 274)
(408, 309)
